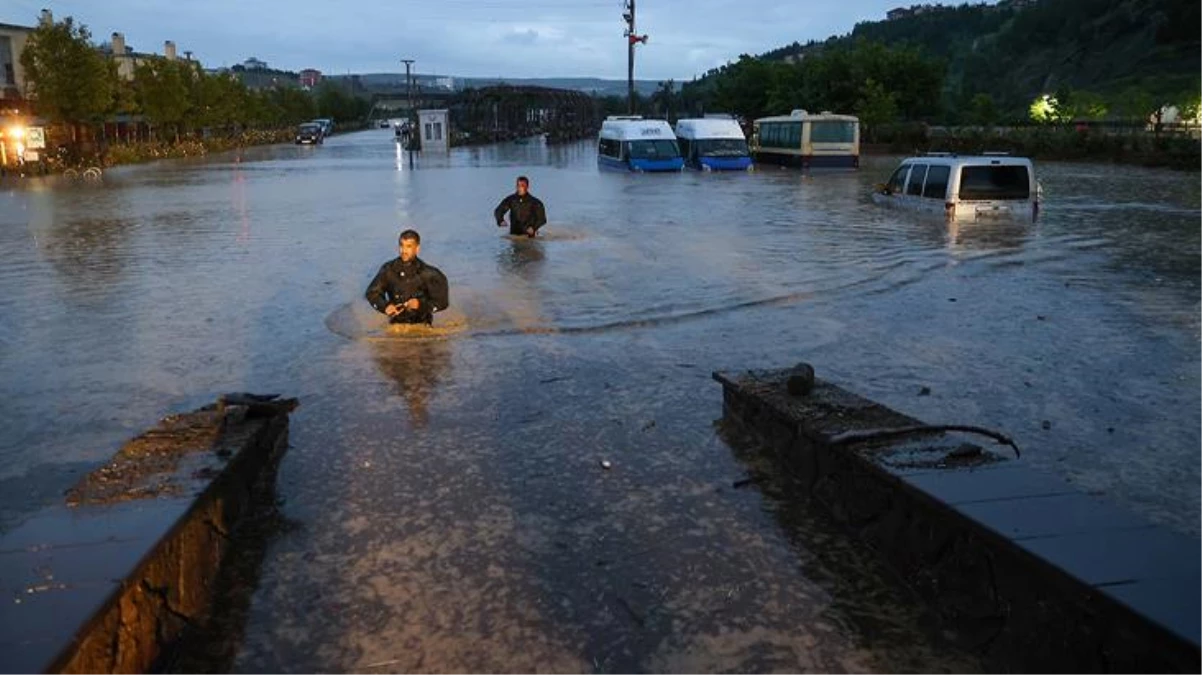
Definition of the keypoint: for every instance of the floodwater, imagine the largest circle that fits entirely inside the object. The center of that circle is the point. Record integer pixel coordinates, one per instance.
(446, 502)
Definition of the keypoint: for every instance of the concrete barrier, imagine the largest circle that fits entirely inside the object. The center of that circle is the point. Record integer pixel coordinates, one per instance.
(112, 580)
(1021, 568)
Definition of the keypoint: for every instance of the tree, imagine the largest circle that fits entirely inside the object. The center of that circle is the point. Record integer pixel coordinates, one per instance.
(982, 110)
(1135, 103)
(68, 79)
(1078, 104)
(663, 98)
(875, 106)
(334, 102)
(164, 92)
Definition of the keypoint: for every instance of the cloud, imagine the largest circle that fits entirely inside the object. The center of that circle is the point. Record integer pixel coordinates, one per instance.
(517, 38)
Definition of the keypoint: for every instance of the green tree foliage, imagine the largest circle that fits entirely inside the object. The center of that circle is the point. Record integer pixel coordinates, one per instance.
(1134, 103)
(167, 91)
(1078, 104)
(69, 80)
(904, 83)
(337, 104)
(982, 110)
(664, 100)
(73, 82)
(1013, 55)
(876, 106)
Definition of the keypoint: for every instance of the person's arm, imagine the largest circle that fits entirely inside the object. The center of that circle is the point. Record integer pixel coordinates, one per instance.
(377, 291)
(437, 294)
(499, 212)
(540, 214)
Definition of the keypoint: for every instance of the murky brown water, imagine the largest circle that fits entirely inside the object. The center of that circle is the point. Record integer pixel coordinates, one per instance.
(449, 509)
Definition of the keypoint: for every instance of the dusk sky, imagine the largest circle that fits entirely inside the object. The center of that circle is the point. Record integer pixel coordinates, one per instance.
(476, 38)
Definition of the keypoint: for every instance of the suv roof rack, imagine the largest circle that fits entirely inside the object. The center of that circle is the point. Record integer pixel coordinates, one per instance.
(996, 153)
(939, 154)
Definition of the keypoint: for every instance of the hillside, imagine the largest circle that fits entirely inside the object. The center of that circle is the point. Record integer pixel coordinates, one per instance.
(1123, 52)
(591, 85)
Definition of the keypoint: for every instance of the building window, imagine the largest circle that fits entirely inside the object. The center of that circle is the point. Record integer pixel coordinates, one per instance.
(438, 131)
(429, 132)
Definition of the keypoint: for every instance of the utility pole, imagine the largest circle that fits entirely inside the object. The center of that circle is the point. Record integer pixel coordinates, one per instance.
(408, 85)
(632, 38)
(408, 138)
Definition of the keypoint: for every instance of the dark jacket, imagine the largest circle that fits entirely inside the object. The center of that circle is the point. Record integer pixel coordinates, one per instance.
(398, 282)
(524, 212)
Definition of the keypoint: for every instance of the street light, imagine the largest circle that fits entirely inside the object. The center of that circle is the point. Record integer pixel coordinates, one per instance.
(413, 124)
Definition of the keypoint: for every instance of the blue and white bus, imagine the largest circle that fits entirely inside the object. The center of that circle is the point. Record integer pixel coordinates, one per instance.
(808, 140)
(635, 144)
(713, 143)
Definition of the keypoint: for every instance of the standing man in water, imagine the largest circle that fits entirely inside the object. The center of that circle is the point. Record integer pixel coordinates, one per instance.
(407, 289)
(526, 212)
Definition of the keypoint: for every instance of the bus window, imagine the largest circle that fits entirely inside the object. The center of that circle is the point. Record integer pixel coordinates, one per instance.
(721, 147)
(661, 149)
(936, 186)
(917, 176)
(832, 132)
(609, 147)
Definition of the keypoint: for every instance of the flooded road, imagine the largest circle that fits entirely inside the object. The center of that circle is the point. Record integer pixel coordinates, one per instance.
(447, 505)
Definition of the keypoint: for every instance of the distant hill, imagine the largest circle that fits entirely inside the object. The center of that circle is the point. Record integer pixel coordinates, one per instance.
(592, 85)
(1017, 50)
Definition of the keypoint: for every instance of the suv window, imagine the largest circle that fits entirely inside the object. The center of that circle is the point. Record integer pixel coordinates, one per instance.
(898, 180)
(994, 182)
(936, 186)
(917, 176)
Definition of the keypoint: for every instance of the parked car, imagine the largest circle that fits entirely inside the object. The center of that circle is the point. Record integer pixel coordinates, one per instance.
(327, 125)
(309, 133)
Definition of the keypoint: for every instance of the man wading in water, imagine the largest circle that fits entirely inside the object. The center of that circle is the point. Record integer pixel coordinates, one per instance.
(407, 289)
(526, 212)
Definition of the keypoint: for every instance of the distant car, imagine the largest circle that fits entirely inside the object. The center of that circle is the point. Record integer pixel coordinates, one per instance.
(384, 124)
(309, 133)
(326, 124)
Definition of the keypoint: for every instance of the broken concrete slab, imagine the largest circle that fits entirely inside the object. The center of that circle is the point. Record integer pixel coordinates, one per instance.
(1007, 557)
(112, 579)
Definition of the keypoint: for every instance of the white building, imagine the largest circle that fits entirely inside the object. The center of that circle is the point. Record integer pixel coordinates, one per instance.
(435, 129)
(12, 76)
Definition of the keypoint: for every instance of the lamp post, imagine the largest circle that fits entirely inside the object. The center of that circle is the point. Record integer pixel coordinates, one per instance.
(412, 120)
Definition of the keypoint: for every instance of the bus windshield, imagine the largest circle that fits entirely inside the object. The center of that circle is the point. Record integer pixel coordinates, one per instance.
(722, 147)
(662, 149)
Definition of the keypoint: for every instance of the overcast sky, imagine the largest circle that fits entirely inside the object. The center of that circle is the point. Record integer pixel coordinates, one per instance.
(477, 38)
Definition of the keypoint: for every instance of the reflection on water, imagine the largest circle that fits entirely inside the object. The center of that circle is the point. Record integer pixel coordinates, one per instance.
(522, 257)
(452, 511)
(416, 368)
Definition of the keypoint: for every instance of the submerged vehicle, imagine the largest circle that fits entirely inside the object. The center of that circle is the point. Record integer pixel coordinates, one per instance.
(964, 187)
(309, 133)
(635, 144)
(326, 124)
(713, 142)
(810, 141)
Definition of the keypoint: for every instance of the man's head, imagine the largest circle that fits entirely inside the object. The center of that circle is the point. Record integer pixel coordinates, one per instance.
(523, 185)
(411, 245)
